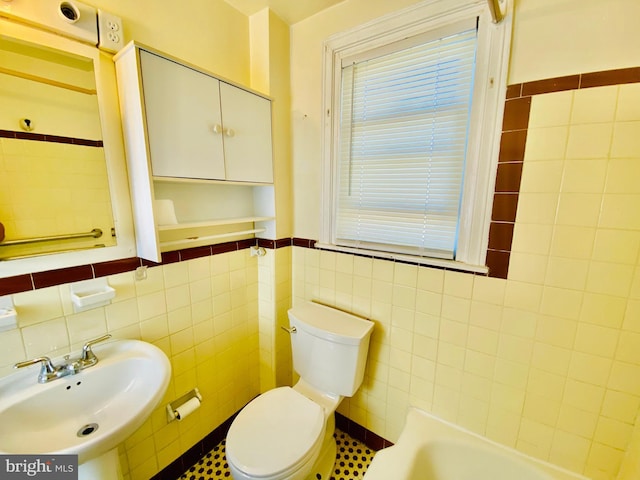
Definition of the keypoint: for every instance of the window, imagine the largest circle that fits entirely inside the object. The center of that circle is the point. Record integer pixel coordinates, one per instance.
(403, 131)
(412, 132)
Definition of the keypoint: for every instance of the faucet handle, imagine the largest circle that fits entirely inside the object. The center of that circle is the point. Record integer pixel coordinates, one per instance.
(47, 371)
(87, 354)
(47, 366)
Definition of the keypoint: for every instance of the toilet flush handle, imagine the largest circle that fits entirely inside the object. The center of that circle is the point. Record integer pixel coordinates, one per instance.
(289, 330)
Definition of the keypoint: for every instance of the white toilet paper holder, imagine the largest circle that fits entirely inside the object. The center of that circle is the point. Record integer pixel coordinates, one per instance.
(172, 408)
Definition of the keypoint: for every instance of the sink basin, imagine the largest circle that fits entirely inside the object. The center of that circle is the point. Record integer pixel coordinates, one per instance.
(88, 413)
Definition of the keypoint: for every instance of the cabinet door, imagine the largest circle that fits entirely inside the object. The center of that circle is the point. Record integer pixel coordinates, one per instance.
(247, 135)
(183, 119)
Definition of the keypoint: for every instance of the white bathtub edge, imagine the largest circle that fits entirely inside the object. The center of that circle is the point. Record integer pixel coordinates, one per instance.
(421, 427)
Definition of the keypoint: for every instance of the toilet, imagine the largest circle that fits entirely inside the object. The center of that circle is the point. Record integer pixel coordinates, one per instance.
(287, 432)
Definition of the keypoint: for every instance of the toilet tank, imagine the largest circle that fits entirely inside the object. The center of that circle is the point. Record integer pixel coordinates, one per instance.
(329, 347)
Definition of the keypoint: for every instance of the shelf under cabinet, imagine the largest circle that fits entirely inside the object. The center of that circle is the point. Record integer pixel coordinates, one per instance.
(192, 234)
(213, 223)
(205, 181)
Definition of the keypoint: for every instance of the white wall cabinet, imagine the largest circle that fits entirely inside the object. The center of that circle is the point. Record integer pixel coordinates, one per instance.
(199, 141)
(246, 120)
(201, 127)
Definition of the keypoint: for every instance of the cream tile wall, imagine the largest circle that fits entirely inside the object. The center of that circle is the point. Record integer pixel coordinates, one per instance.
(202, 313)
(631, 464)
(274, 301)
(547, 361)
(267, 320)
(282, 280)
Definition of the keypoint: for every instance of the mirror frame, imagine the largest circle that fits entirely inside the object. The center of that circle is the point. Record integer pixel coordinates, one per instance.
(113, 144)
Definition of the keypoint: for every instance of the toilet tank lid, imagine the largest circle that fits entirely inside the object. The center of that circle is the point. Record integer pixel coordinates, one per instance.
(330, 323)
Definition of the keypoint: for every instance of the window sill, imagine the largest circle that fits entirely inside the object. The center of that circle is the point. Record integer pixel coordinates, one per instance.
(398, 257)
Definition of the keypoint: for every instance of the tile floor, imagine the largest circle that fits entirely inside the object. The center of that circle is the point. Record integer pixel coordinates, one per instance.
(352, 460)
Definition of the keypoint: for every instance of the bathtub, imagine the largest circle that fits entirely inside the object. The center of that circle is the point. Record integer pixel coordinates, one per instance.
(432, 449)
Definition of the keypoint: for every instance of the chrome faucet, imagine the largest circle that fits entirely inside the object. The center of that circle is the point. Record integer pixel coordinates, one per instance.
(49, 371)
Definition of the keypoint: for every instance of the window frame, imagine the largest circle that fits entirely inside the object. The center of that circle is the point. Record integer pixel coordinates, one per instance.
(485, 123)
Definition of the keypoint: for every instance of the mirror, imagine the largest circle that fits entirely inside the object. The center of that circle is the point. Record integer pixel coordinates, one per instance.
(54, 188)
(63, 194)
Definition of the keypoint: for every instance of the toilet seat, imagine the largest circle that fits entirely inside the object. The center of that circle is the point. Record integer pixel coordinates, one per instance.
(275, 434)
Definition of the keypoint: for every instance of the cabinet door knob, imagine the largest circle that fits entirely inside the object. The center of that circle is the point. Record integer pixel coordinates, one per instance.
(229, 132)
(217, 128)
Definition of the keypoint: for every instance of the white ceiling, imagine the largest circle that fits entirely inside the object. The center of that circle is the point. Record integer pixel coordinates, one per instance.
(291, 11)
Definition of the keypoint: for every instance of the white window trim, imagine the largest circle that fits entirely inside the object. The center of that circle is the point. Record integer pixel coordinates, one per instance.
(490, 89)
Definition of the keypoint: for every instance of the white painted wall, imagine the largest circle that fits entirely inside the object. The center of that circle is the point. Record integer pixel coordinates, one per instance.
(553, 38)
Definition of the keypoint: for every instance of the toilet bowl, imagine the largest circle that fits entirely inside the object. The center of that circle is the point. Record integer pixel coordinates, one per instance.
(287, 432)
(276, 436)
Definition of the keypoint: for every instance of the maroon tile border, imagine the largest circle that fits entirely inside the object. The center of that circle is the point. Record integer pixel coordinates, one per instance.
(284, 242)
(498, 263)
(219, 248)
(280, 243)
(358, 432)
(303, 242)
(512, 146)
(166, 257)
(549, 85)
(516, 114)
(573, 82)
(33, 281)
(514, 91)
(247, 243)
(508, 177)
(17, 284)
(114, 267)
(505, 206)
(38, 137)
(509, 173)
(266, 243)
(63, 275)
(501, 236)
(610, 77)
(196, 252)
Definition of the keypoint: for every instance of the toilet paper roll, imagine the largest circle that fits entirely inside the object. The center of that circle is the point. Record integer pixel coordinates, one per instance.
(187, 408)
(165, 212)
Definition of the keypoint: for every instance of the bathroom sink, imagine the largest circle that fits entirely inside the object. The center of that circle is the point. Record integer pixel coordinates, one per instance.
(88, 413)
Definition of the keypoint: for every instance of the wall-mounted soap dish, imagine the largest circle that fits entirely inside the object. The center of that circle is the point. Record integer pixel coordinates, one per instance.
(91, 294)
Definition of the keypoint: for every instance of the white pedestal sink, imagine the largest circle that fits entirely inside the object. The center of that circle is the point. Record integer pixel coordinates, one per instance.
(103, 467)
(88, 414)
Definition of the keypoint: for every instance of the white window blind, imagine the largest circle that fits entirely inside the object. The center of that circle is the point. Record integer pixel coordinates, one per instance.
(403, 141)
